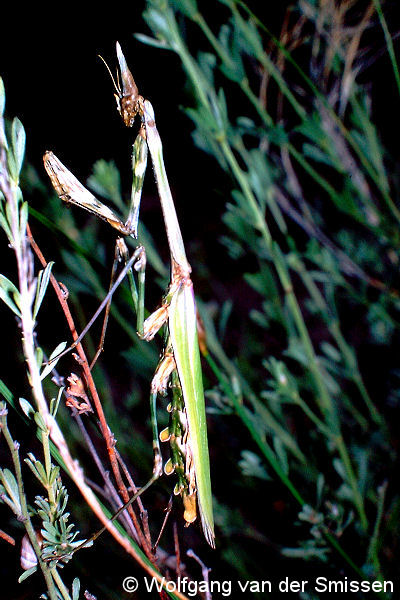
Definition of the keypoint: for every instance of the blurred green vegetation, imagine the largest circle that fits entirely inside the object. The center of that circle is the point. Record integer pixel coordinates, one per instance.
(297, 284)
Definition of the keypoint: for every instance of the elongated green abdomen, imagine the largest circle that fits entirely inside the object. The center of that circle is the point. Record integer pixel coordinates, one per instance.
(183, 331)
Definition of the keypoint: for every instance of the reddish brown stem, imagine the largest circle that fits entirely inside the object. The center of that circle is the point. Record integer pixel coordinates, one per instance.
(105, 430)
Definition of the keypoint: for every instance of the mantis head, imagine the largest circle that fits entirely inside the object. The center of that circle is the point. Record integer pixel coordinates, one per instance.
(129, 102)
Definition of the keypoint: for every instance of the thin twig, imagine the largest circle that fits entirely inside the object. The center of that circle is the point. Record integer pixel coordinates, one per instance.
(112, 494)
(205, 571)
(7, 538)
(167, 513)
(177, 550)
(109, 439)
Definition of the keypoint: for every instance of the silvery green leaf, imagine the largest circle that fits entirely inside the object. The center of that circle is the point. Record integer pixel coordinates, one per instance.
(281, 454)
(42, 283)
(7, 395)
(55, 471)
(52, 360)
(27, 574)
(49, 532)
(27, 408)
(39, 356)
(12, 165)
(157, 21)
(5, 226)
(150, 41)
(41, 472)
(18, 139)
(340, 468)
(23, 218)
(38, 470)
(331, 352)
(55, 402)
(40, 422)
(2, 97)
(76, 586)
(306, 553)
(187, 7)
(8, 289)
(252, 466)
(10, 484)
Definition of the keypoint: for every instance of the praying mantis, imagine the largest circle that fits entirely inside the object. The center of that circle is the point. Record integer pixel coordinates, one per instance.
(179, 368)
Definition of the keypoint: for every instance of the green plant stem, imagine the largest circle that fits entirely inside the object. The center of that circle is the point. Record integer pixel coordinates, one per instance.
(352, 480)
(372, 554)
(48, 466)
(60, 584)
(23, 258)
(312, 416)
(259, 220)
(333, 541)
(13, 447)
(389, 42)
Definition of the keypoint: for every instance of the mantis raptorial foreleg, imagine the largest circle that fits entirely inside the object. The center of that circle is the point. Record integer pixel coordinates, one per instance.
(70, 190)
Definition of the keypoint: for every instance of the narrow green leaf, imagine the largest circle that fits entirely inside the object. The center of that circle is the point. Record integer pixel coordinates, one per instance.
(55, 402)
(5, 226)
(55, 471)
(76, 586)
(40, 422)
(7, 288)
(23, 218)
(30, 464)
(41, 473)
(27, 574)
(42, 283)
(18, 139)
(27, 408)
(49, 532)
(187, 7)
(10, 483)
(6, 393)
(53, 360)
(2, 97)
(149, 41)
(39, 356)
(12, 165)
